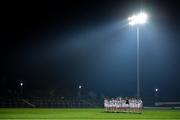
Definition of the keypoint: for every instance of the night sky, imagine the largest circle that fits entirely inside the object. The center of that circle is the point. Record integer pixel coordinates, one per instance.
(60, 45)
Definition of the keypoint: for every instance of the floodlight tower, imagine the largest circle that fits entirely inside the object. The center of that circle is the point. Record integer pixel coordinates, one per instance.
(21, 88)
(137, 20)
(79, 91)
(156, 90)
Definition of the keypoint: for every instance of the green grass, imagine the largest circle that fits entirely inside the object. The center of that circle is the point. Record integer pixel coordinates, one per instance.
(83, 114)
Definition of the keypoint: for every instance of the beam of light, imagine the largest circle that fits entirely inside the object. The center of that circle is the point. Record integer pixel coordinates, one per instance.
(140, 18)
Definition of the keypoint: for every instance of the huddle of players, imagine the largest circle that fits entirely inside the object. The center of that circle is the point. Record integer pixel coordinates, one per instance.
(123, 105)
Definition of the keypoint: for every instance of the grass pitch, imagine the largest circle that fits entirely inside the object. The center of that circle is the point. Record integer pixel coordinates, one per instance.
(83, 114)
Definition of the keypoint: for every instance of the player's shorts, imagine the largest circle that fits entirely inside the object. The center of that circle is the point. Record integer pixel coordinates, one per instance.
(126, 105)
(105, 105)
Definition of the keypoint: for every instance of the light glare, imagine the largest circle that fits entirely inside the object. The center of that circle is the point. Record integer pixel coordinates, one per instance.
(141, 18)
(21, 84)
(156, 90)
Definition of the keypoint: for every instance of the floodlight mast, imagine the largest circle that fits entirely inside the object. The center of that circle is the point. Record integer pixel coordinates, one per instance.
(156, 94)
(138, 19)
(21, 89)
(79, 91)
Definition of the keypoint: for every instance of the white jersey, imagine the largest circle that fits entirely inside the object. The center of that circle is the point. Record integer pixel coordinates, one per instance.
(105, 103)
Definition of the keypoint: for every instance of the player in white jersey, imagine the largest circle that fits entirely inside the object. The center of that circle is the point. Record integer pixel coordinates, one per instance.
(133, 105)
(110, 105)
(127, 105)
(130, 105)
(116, 105)
(139, 105)
(113, 105)
(106, 104)
(123, 105)
(119, 105)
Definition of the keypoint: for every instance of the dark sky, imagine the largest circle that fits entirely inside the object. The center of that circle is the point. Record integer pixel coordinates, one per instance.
(59, 45)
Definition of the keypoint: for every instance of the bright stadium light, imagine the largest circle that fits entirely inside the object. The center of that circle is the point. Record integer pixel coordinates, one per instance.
(156, 90)
(80, 86)
(140, 18)
(21, 84)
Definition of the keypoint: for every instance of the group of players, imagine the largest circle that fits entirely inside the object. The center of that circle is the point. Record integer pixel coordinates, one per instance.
(123, 105)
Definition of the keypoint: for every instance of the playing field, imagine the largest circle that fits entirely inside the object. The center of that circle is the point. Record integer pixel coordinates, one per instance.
(83, 114)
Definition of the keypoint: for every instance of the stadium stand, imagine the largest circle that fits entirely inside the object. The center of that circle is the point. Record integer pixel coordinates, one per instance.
(50, 103)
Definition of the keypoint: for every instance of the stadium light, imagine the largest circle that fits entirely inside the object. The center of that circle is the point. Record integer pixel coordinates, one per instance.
(138, 19)
(80, 86)
(156, 90)
(21, 84)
